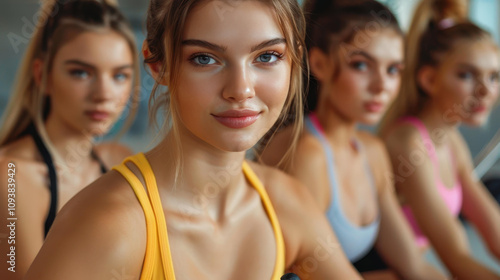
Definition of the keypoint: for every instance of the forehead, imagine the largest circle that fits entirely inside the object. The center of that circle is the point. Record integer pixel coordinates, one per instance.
(481, 54)
(224, 22)
(99, 48)
(384, 45)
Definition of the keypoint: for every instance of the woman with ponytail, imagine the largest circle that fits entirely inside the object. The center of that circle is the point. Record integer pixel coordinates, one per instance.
(451, 77)
(192, 207)
(76, 78)
(356, 56)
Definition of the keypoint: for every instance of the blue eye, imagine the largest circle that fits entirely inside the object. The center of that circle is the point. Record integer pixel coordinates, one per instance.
(360, 65)
(393, 70)
(465, 75)
(203, 60)
(121, 77)
(80, 74)
(268, 57)
(495, 77)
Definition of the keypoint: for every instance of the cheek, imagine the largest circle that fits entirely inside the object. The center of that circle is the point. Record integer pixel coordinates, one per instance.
(348, 88)
(394, 86)
(272, 88)
(67, 93)
(198, 90)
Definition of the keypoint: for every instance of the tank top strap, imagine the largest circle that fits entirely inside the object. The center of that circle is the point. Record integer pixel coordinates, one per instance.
(424, 133)
(147, 172)
(152, 241)
(279, 267)
(314, 127)
(158, 260)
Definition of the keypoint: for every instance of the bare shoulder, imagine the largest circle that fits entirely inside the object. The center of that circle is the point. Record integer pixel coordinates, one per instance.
(461, 151)
(109, 199)
(98, 225)
(22, 157)
(402, 138)
(23, 149)
(291, 200)
(279, 185)
(309, 153)
(112, 153)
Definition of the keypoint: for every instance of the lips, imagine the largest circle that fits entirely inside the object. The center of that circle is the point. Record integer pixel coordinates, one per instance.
(237, 118)
(97, 115)
(374, 107)
(479, 109)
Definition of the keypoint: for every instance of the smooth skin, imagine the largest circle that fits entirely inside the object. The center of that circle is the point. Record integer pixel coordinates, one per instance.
(369, 73)
(229, 236)
(463, 89)
(93, 71)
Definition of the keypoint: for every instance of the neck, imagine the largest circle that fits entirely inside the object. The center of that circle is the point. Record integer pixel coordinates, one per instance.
(208, 177)
(437, 123)
(72, 147)
(338, 129)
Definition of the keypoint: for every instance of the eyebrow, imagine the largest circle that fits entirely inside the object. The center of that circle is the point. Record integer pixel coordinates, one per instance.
(371, 58)
(87, 65)
(218, 48)
(362, 53)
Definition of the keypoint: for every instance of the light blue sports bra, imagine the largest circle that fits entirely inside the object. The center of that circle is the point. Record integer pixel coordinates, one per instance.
(356, 241)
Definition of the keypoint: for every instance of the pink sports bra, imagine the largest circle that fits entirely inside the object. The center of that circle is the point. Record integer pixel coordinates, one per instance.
(451, 196)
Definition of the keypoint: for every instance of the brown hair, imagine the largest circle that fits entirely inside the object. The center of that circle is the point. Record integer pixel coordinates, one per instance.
(165, 24)
(60, 21)
(333, 25)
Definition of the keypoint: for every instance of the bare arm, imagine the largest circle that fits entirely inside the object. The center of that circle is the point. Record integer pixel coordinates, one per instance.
(21, 234)
(90, 238)
(395, 241)
(479, 207)
(313, 251)
(442, 229)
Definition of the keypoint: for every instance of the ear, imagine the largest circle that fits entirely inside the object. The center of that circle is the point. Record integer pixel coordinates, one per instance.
(154, 67)
(320, 64)
(37, 71)
(37, 67)
(426, 79)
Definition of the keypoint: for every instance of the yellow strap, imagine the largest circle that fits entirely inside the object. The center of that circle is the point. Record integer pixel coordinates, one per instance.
(147, 172)
(279, 267)
(151, 242)
(157, 227)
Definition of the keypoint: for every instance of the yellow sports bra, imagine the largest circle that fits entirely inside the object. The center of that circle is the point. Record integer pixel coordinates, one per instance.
(158, 261)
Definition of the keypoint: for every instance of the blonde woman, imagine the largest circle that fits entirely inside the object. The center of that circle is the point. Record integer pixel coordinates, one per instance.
(451, 78)
(76, 79)
(193, 208)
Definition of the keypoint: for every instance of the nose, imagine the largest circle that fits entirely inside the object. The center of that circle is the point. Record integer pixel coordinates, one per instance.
(102, 89)
(484, 88)
(378, 82)
(239, 86)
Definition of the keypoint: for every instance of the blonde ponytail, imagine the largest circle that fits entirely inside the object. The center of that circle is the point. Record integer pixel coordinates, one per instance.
(436, 28)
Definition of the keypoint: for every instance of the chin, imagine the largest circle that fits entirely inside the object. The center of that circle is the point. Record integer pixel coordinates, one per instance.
(370, 120)
(235, 144)
(98, 129)
(476, 122)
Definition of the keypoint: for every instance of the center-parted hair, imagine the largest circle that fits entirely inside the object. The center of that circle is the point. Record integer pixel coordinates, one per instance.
(332, 26)
(166, 20)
